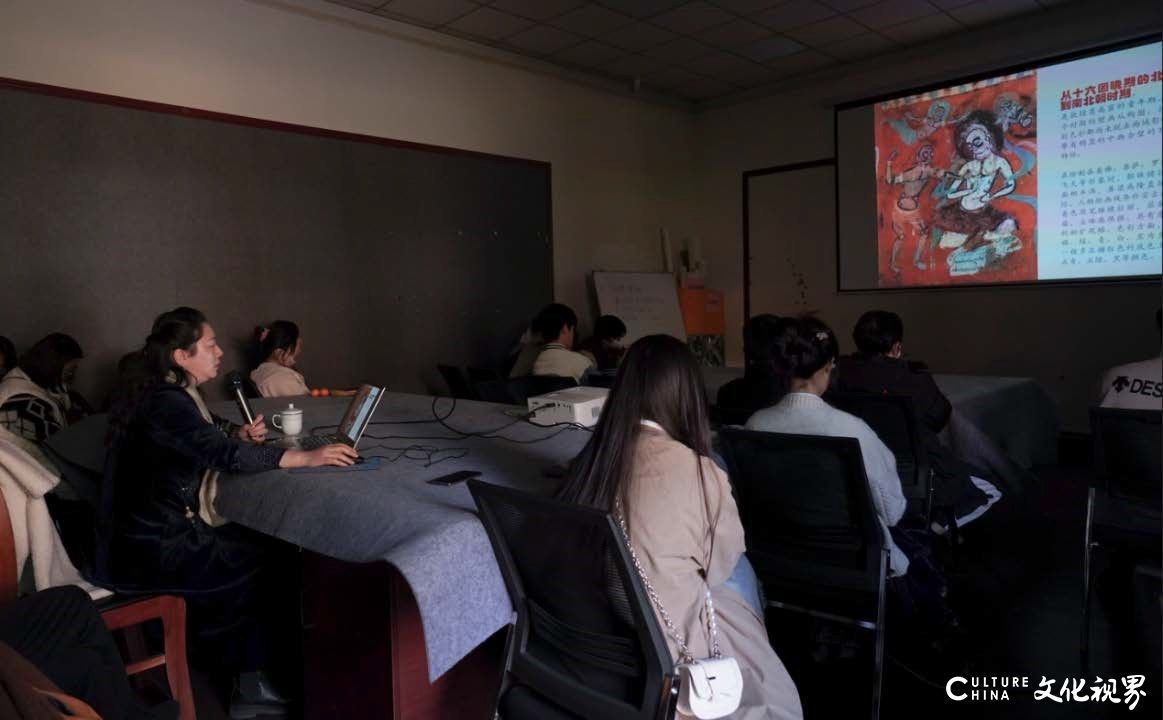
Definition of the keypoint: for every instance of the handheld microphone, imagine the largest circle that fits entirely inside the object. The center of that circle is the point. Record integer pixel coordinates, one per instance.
(234, 381)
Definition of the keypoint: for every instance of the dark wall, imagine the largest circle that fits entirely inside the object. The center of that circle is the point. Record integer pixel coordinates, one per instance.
(390, 258)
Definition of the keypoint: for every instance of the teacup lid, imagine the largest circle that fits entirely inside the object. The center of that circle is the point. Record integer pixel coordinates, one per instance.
(292, 409)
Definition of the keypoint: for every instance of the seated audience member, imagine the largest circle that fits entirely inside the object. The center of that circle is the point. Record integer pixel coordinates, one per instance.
(648, 459)
(1137, 385)
(557, 325)
(806, 351)
(761, 385)
(879, 367)
(59, 632)
(35, 397)
(604, 348)
(7, 356)
(278, 350)
(159, 530)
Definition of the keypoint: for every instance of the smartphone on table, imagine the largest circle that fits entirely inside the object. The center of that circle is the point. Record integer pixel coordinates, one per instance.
(454, 478)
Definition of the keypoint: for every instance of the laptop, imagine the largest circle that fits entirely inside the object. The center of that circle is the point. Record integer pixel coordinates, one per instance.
(351, 427)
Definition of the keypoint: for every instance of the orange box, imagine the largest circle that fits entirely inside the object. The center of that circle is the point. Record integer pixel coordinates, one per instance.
(702, 311)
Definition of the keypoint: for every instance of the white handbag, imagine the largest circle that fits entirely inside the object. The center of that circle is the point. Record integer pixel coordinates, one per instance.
(708, 688)
(711, 688)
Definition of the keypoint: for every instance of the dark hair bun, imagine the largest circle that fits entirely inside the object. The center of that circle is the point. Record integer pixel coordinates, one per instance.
(805, 346)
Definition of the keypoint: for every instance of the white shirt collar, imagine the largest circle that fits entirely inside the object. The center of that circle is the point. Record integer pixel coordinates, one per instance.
(651, 424)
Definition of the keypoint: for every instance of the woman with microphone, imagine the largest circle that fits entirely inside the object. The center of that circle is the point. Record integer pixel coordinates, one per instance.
(159, 530)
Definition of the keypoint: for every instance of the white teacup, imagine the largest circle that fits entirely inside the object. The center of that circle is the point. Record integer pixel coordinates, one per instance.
(289, 421)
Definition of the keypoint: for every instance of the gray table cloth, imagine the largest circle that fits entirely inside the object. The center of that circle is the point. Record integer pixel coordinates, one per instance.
(431, 534)
(1016, 415)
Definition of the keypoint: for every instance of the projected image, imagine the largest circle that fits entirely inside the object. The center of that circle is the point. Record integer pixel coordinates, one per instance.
(957, 185)
(1048, 174)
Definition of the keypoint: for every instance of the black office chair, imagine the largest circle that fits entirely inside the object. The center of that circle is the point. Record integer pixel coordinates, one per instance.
(483, 374)
(812, 531)
(457, 384)
(1123, 502)
(586, 643)
(541, 384)
(895, 422)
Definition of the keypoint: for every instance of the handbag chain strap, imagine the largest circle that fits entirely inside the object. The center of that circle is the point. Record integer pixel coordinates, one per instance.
(684, 651)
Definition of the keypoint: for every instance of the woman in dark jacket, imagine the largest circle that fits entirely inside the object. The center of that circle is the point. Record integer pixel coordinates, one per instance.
(159, 530)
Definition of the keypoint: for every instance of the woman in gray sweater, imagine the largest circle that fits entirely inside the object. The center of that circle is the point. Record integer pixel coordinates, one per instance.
(806, 351)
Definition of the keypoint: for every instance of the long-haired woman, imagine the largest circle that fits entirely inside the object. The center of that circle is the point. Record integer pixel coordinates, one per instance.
(649, 460)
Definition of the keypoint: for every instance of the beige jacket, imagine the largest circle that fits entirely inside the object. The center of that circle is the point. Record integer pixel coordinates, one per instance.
(684, 531)
(274, 380)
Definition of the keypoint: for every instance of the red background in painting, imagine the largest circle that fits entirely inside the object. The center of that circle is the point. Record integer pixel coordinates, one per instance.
(1020, 266)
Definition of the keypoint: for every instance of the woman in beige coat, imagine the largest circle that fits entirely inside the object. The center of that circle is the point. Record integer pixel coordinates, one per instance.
(649, 454)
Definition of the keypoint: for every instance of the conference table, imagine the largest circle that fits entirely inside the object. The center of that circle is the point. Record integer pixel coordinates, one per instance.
(404, 606)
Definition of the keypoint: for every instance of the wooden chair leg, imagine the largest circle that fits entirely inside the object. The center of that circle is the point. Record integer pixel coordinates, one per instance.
(171, 611)
(177, 670)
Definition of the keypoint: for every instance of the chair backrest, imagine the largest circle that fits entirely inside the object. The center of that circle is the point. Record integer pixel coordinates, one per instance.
(541, 384)
(516, 391)
(499, 391)
(78, 450)
(894, 420)
(484, 374)
(812, 531)
(586, 641)
(457, 383)
(1127, 450)
(9, 573)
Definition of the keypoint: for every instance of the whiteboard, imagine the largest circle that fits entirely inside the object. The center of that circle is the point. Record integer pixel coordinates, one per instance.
(646, 302)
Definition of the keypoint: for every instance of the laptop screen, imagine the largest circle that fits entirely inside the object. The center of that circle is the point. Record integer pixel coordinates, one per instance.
(359, 412)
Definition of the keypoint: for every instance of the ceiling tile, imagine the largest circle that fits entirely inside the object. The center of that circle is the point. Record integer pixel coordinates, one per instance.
(679, 50)
(539, 10)
(858, 47)
(801, 62)
(827, 31)
(641, 8)
(734, 34)
(927, 28)
(849, 5)
(704, 89)
(671, 77)
(719, 64)
(489, 24)
(749, 75)
(360, 4)
(632, 66)
(692, 17)
(794, 14)
(771, 47)
(746, 7)
(892, 12)
(591, 20)
(427, 12)
(638, 36)
(987, 11)
(542, 40)
(589, 54)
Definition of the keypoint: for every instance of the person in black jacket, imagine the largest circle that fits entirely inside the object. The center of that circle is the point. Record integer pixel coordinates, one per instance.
(763, 383)
(159, 531)
(879, 367)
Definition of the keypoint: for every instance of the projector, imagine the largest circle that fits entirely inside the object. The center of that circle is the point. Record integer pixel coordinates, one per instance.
(581, 405)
